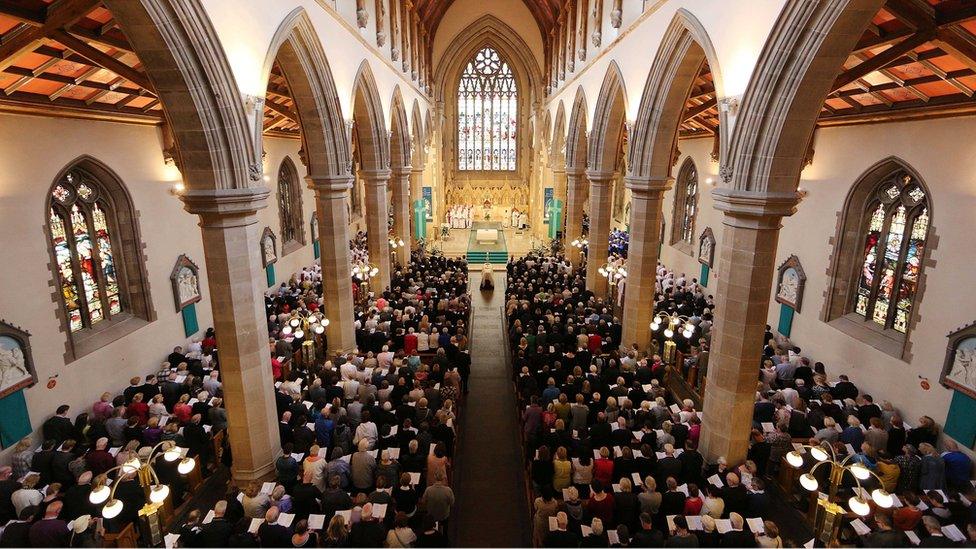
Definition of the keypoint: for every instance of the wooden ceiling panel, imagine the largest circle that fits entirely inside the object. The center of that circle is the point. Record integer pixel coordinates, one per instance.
(545, 13)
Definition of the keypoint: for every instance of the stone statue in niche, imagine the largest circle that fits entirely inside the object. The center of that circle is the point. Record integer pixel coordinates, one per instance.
(959, 368)
(706, 247)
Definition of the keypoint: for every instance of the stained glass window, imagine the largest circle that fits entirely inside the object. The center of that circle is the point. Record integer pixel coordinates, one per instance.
(289, 202)
(487, 114)
(82, 241)
(686, 205)
(896, 225)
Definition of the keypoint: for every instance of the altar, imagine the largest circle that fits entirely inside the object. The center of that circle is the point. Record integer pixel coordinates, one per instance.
(486, 236)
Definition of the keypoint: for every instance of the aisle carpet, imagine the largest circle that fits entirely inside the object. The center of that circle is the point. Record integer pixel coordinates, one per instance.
(491, 508)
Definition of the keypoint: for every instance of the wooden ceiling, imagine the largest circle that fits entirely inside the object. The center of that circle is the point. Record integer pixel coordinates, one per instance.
(916, 60)
(68, 58)
(280, 119)
(545, 13)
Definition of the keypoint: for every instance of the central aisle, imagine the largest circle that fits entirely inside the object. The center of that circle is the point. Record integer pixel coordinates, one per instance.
(491, 509)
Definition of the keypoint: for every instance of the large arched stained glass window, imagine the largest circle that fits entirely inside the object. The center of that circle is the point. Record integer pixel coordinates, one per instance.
(896, 222)
(487, 114)
(290, 203)
(82, 237)
(685, 204)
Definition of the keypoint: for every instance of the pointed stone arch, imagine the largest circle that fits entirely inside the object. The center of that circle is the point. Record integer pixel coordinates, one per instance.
(685, 47)
(183, 58)
(797, 67)
(418, 139)
(609, 119)
(557, 144)
(370, 122)
(296, 48)
(576, 142)
(400, 141)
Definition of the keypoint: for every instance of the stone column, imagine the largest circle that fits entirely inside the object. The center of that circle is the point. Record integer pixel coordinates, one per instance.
(330, 207)
(377, 227)
(746, 263)
(400, 187)
(575, 194)
(601, 194)
(646, 212)
(416, 193)
(235, 274)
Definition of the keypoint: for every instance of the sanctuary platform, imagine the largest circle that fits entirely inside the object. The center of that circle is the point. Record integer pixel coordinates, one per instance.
(486, 243)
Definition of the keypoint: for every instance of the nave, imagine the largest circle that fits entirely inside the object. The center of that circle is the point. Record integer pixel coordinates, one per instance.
(246, 244)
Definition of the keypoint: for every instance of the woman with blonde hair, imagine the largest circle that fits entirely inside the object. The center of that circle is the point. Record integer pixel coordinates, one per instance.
(157, 408)
(22, 457)
(562, 470)
(337, 534)
(255, 502)
(770, 536)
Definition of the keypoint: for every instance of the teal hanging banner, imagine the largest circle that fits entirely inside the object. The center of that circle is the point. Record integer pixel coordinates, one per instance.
(785, 319)
(316, 250)
(14, 420)
(428, 196)
(960, 424)
(419, 219)
(547, 198)
(269, 271)
(703, 279)
(555, 217)
(190, 324)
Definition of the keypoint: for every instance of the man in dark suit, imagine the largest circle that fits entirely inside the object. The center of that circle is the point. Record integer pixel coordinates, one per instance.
(844, 389)
(692, 463)
(150, 388)
(757, 502)
(735, 496)
(647, 536)
(60, 462)
(273, 534)
(218, 531)
(17, 533)
(560, 537)
(197, 439)
(668, 466)
(935, 537)
(738, 537)
(171, 391)
(75, 499)
(176, 357)
(41, 462)
(58, 427)
(369, 531)
(885, 535)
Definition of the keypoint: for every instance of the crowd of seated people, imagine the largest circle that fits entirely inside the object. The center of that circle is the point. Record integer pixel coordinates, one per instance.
(46, 488)
(367, 437)
(619, 242)
(797, 404)
(612, 461)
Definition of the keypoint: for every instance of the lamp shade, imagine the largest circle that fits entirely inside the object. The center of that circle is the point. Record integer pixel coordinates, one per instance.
(809, 482)
(112, 509)
(794, 458)
(882, 498)
(818, 453)
(860, 471)
(173, 453)
(668, 332)
(99, 495)
(859, 506)
(186, 465)
(158, 493)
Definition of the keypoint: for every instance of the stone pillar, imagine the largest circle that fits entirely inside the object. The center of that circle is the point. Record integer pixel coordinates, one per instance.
(377, 227)
(400, 187)
(416, 193)
(235, 274)
(330, 207)
(601, 194)
(575, 194)
(646, 212)
(746, 263)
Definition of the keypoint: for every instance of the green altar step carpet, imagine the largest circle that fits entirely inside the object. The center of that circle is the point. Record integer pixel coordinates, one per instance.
(479, 253)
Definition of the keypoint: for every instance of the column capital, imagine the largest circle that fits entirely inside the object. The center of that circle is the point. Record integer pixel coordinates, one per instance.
(376, 177)
(226, 202)
(754, 209)
(330, 184)
(599, 178)
(644, 187)
(402, 171)
(573, 171)
(416, 170)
